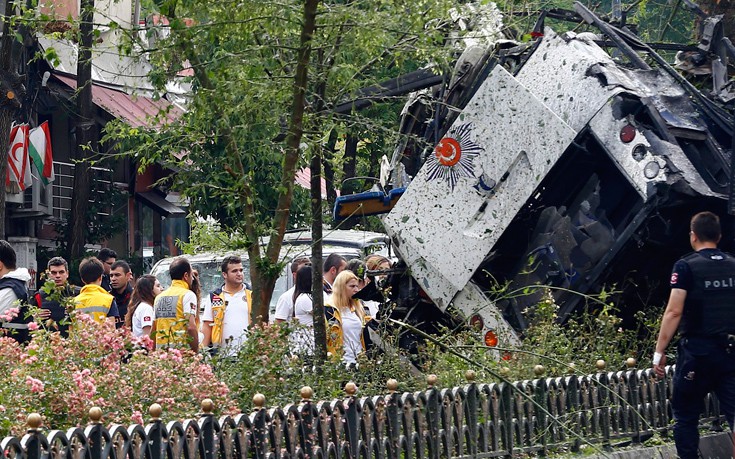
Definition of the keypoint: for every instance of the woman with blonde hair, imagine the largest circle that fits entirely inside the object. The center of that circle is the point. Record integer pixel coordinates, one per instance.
(346, 319)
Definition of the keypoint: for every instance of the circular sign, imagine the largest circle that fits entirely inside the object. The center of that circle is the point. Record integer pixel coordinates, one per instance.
(448, 151)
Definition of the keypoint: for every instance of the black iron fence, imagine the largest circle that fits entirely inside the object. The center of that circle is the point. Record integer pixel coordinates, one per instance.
(472, 421)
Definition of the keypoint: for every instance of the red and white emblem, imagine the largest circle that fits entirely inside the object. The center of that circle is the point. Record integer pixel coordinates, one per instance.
(453, 156)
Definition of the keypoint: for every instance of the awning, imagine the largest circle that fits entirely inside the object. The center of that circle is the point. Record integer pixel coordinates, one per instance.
(134, 110)
(158, 202)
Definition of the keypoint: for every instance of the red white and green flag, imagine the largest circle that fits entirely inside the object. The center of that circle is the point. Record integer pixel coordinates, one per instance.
(40, 151)
(18, 177)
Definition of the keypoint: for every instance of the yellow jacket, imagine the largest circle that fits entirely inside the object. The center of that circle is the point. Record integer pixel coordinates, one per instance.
(94, 301)
(169, 320)
(219, 305)
(335, 336)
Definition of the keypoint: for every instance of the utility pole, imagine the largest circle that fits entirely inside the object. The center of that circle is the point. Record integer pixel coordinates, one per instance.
(86, 134)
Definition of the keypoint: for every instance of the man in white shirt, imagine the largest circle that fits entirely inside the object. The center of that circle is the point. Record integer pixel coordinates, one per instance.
(284, 307)
(227, 314)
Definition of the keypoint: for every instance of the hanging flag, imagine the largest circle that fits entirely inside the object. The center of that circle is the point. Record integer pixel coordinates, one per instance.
(19, 164)
(39, 149)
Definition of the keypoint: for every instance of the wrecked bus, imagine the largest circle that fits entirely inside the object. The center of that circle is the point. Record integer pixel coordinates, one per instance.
(574, 161)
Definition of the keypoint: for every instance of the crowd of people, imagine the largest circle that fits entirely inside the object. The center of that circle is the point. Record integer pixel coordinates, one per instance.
(183, 316)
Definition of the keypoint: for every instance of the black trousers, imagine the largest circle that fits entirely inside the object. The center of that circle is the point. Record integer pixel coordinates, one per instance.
(703, 365)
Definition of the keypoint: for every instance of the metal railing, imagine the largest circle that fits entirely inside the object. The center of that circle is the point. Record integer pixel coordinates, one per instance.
(63, 187)
(473, 421)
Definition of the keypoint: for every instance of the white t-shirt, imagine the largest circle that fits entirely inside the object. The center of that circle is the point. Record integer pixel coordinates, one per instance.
(189, 303)
(303, 337)
(284, 307)
(142, 317)
(351, 335)
(235, 325)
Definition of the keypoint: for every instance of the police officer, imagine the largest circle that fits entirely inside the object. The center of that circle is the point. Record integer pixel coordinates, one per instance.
(702, 307)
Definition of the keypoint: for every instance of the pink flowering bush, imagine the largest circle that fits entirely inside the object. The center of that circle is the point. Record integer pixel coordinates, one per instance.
(100, 366)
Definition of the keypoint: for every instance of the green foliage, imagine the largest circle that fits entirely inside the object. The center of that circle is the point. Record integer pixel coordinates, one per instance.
(596, 333)
(208, 236)
(243, 60)
(267, 365)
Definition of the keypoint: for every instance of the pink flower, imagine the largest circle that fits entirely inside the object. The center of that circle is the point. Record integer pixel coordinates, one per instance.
(9, 314)
(137, 417)
(36, 385)
(32, 326)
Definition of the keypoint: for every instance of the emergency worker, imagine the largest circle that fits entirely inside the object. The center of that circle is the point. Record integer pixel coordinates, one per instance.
(175, 310)
(93, 300)
(701, 306)
(227, 314)
(346, 320)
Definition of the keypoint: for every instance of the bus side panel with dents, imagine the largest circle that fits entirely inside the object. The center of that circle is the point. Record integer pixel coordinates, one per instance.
(498, 151)
(558, 74)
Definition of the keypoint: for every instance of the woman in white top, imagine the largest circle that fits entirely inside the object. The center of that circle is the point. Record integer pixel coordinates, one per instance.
(346, 318)
(140, 310)
(303, 312)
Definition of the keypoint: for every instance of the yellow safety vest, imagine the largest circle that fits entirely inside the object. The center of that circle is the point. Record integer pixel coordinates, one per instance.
(169, 320)
(335, 336)
(219, 305)
(94, 301)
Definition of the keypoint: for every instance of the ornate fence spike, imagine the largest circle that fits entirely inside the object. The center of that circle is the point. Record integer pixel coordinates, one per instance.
(207, 406)
(631, 362)
(431, 381)
(600, 365)
(539, 370)
(155, 411)
(95, 415)
(307, 393)
(258, 402)
(470, 376)
(350, 389)
(571, 368)
(392, 385)
(34, 422)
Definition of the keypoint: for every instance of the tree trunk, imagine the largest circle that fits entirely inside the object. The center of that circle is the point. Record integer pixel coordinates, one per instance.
(86, 134)
(293, 146)
(317, 263)
(8, 105)
(6, 119)
(349, 167)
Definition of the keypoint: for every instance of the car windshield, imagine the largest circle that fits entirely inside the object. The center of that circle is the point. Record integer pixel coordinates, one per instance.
(210, 272)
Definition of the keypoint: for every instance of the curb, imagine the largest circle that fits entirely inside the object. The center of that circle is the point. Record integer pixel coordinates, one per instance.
(716, 446)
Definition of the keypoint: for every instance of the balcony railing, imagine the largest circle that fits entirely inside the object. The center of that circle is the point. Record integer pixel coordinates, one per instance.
(63, 187)
(473, 421)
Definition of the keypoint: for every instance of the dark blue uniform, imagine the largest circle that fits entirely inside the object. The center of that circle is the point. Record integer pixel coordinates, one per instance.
(706, 353)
